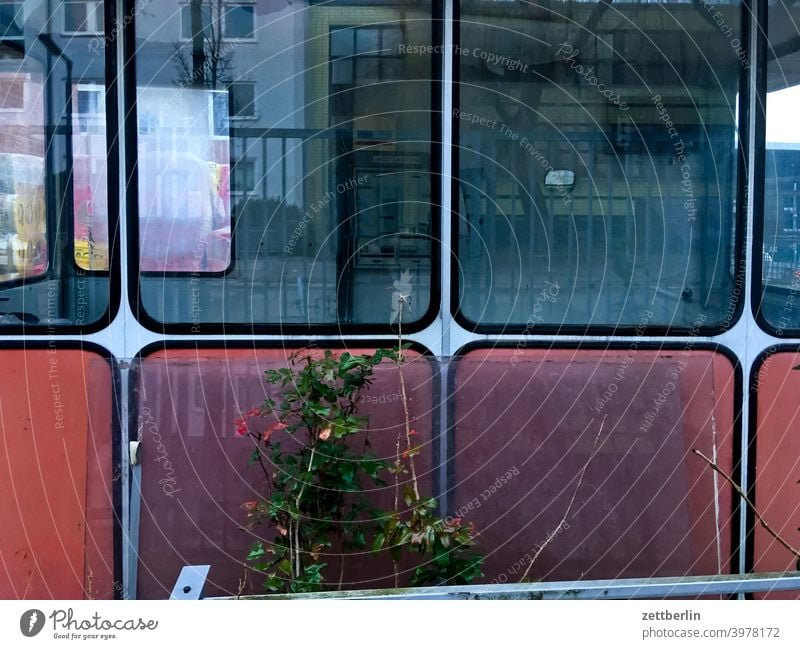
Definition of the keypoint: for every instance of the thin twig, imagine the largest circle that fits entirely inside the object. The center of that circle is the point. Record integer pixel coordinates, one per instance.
(401, 301)
(243, 581)
(395, 566)
(401, 298)
(297, 504)
(555, 532)
(750, 504)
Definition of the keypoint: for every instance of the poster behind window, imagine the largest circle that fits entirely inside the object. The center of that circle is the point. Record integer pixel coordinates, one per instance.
(23, 225)
(184, 173)
(89, 177)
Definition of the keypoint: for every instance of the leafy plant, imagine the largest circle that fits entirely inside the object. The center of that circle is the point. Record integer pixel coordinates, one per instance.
(319, 470)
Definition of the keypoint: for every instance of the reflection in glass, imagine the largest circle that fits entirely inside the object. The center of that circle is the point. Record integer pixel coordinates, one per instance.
(781, 245)
(89, 178)
(184, 201)
(53, 180)
(634, 103)
(326, 135)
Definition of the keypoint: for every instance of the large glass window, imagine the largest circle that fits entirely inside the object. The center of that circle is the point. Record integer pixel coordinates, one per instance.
(54, 236)
(284, 167)
(597, 163)
(780, 305)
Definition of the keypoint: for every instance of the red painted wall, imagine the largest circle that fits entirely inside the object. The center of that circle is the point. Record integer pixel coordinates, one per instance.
(646, 506)
(55, 475)
(195, 474)
(778, 462)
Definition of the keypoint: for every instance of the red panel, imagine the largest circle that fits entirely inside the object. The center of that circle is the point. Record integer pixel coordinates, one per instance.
(777, 479)
(526, 421)
(55, 477)
(194, 470)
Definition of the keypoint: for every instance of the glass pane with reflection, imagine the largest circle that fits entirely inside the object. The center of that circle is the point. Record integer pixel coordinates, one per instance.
(54, 231)
(781, 244)
(597, 161)
(284, 162)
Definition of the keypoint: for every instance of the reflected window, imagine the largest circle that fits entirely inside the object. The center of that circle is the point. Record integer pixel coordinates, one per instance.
(239, 21)
(12, 41)
(597, 164)
(242, 96)
(202, 12)
(82, 17)
(781, 243)
(322, 140)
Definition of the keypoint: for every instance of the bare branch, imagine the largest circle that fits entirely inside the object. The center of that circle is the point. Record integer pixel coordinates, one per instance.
(557, 529)
(750, 504)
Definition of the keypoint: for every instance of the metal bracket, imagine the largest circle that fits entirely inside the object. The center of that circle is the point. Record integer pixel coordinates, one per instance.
(135, 450)
(190, 582)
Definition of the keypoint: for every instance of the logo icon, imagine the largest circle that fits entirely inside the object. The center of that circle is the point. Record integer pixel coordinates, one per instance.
(31, 622)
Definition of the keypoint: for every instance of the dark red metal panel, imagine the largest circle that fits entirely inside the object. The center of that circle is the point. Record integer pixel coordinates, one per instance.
(526, 422)
(56, 512)
(777, 481)
(195, 474)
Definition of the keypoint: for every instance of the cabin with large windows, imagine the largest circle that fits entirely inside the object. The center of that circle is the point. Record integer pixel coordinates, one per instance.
(580, 215)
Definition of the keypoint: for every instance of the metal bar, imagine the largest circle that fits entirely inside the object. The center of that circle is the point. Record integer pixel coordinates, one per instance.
(445, 350)
(658, 587)
(590, 185)
(129, 554)
(134, 517)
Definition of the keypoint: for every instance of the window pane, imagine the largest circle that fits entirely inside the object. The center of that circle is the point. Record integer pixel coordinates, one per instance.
(52, 142)
(242, 96)
(597, 166)
(75, 15)
(367, 40)
(202, 15)
(342, 42)
(781, 252)
(239, 22)
(332, 212)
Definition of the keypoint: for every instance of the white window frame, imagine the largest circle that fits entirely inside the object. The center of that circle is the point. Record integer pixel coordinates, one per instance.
(96, 122)
(25, 79)
(237, 39)
(95, 18)
(21, 3)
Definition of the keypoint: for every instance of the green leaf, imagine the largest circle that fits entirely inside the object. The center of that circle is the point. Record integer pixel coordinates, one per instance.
(319, 410)
(358, 539)
(256, 551)
(273, 583)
